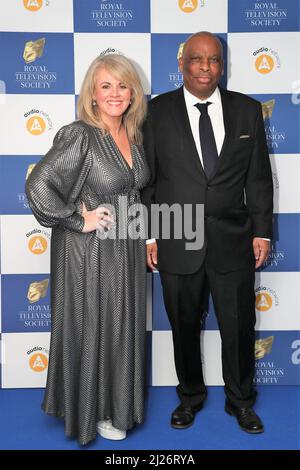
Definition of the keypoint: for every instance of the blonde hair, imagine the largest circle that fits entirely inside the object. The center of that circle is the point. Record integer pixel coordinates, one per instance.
(122, 69)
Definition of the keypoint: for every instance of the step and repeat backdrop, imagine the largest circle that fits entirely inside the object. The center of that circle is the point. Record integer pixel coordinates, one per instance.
(46, 47)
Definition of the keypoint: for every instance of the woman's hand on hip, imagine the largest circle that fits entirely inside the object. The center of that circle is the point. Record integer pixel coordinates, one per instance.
(97, 219)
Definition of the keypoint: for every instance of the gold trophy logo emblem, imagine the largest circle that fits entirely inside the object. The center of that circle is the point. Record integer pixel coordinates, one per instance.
(33, 50)
(268, 108)
(37, 290)
(29, 169)
(263, 346)
(180, 49)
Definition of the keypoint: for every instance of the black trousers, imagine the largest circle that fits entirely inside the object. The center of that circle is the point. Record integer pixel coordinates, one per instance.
(234, 301)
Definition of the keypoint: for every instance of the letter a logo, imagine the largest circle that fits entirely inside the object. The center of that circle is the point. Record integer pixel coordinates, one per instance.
(33, 5)
(188, 6)
(36, 125)
(37, 245)
(263, 302)
(38, 362)
(264, 64)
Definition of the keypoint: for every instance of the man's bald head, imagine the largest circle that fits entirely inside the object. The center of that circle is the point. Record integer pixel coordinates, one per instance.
(202, 64)
(203, 34)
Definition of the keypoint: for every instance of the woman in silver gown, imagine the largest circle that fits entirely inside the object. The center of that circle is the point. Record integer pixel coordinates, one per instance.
(84, 188)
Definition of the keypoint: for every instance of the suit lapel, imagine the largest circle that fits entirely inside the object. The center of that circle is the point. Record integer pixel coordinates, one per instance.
(184, 124)
(229, 126)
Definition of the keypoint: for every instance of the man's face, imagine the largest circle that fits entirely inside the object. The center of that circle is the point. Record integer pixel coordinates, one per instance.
(202, 66)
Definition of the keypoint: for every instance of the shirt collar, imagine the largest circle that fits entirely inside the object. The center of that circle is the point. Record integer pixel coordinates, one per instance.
(191, 100)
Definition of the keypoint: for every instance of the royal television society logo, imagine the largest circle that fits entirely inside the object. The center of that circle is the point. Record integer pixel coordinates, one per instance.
(35, 76)
(189, 6)
(36, 314)
(35, 5)
(29, 170)
(275, 137)
(33, 50)
(268, 108)
(275, 257)
(265, 14)
(266, 299)
(266, 60)
(175, 77)
(266, 371)
(37, 122)
(23, 201)
(21, 197)
(37, 290)
(38, 241)
(263, 346)
(112, 14)
(38, 359)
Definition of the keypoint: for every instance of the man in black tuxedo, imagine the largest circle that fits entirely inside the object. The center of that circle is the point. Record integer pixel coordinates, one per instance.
(206, 145)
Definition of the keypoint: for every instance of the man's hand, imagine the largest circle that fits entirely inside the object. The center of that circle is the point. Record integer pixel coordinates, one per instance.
(152, 255)
(261, 249)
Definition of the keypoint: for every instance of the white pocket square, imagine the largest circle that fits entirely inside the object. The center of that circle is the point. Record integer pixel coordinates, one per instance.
(244, 136)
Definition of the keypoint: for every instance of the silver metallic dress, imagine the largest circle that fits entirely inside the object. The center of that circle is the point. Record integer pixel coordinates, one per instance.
(97, 351)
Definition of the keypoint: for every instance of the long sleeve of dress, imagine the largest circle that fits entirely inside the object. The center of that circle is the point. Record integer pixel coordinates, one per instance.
(56, 181)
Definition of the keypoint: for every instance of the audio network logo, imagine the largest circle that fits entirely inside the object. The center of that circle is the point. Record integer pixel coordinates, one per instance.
(111, 50)
(189, 6)
(38, 243)
(38, 359)
(266, 299)
(38, 121)
(35, 5)
(266, 60)
(112, 15)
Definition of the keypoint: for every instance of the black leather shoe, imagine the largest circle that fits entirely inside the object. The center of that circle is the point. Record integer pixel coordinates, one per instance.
(183, 417)
(246, 417)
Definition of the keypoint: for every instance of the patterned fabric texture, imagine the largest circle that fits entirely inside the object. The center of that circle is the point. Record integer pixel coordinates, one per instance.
(97, 351)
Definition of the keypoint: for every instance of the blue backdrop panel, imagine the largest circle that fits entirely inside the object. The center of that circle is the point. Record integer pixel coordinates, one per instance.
(46, 74)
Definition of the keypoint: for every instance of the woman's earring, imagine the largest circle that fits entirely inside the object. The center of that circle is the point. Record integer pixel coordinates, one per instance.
(94, 103)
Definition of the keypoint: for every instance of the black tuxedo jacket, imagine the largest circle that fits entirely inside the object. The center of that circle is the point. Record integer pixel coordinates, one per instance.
(238, 198)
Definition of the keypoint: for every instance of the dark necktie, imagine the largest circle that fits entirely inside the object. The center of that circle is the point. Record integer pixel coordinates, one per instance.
(207, 140)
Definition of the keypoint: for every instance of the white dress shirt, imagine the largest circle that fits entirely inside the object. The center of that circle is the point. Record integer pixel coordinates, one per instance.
(215, 111)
